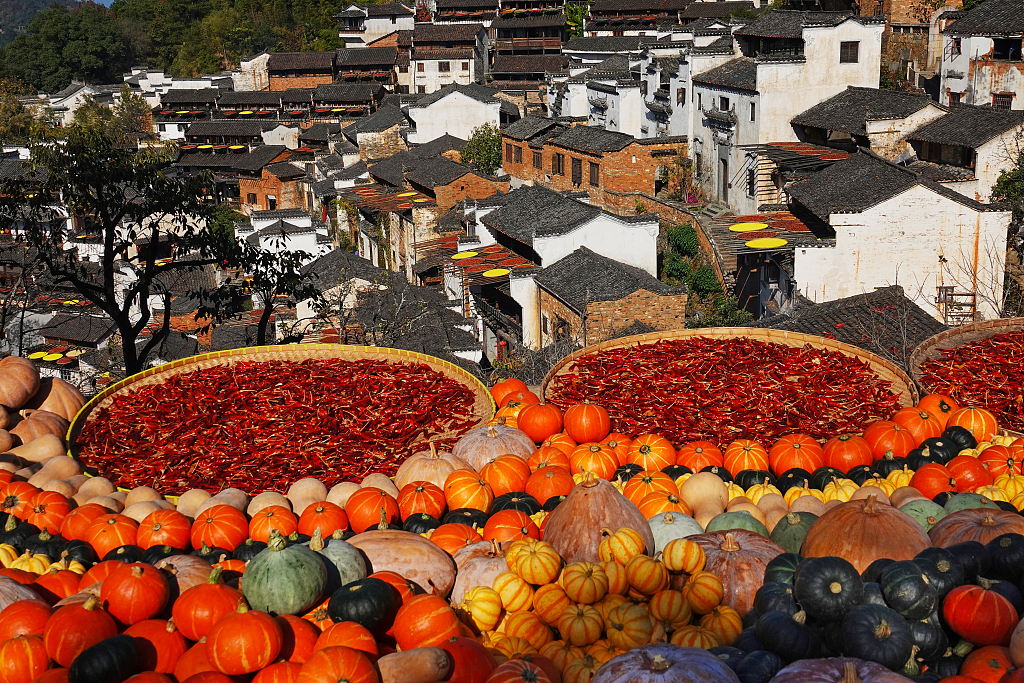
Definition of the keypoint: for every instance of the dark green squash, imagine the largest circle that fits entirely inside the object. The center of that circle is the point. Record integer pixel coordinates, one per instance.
(824, 475)
(719, 471)
(940, 448)
(760, 666)
(674, 471)
(860, 474)
(872, 594)
(974, 558)
(1003, 505)
(795, 476)
(1007, 553)
(908, 591)
(775, 596)
(626, 472)
(420, 523)
(781, 568)
(44, 543)
(77, 550)
(925, 512)
(467, 516)
(111, 660)
(1006, 589)
(929, 638)
(877, 634)
(943, 497)
(159, 552)
(515, 500)
(736, 520)
(889, 464)
(787, 635)
(213, 554)
(960, 437)
(943, 570)
(948, 664)
(15, 531)
(874, 570)
(747, 478)
(343, 561)
(125, 553)
(747, 640)
(790, 531)
(554, 501)
(750, 618)
(827, 587)
(968, 501)
(284, 579)
(247, 550)
(365, 602)
(919, 457)
(730, 656)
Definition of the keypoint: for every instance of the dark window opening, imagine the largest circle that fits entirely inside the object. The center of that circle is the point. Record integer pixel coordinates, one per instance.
(508, 152)
(954, 47)
(419, 67)
(558, 164)
(517, 154)
(849, 52)
(751, 182)
(723, 103)
(444, 67)
(577, 171)
(538, 160)
(681, 96)
(1002, 101)
(1006, 48)
(595, 174)
(954, 98)
(250, 198)
(753, 111)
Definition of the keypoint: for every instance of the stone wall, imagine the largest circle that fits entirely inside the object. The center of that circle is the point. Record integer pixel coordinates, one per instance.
(606, 318)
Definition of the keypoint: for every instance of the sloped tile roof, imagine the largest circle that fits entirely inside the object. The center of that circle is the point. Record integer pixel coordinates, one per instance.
(849, 110)
(446, 33)
(437, 171)
(480, 93)
(377, 122)
(739, 73)
(529, 21)
(528, 126)
(285, 171)
(529, 63)
(319, 132)
(652, 6)
(603, 44)
(388, 9)
(715, 10)
(593, 140)
(357, 93)
(300, 61)
(991, 18)
(528, 212)
(467, 4)
(439, 145)
(969, 126)
(230, 128)
(790, 23)
(260, 97)
(366, 56)
(78, 327)
(297, 95)
(424, 54)
(246, 161)
(189, 95)
(585, 276)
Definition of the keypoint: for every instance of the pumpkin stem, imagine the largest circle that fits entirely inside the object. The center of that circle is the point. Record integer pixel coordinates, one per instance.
(243, 606)
(984, 583)
(792, 518)
(669, 518)
(850, 673)
(963, 648)
(12, 523)
(800, 617)
(137, 572)
(989, 520)
(495, 548)
(589, 481)
(338, 535)
(659, 663)
(492, 432)
(44, 535)
(383, 526)
(883, 630)
(912, 668)
(433, 450)
(871, 505)
(215, 575)
(730, 545)
(276, 540)
(605, 531)
(835, 587)
(171, 628)
(316, 544)
(90, 603)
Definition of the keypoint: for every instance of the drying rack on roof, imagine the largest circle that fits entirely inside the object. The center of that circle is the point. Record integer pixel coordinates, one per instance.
(798, 156)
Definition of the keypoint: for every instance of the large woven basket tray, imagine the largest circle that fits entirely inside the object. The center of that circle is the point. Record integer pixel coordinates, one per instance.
(933, 347)
(901, 383)
(483, 408)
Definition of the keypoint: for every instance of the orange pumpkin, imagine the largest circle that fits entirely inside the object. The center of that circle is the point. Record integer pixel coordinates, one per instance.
(219, 526)
(586, 422)
(243, 641)
(325, 517)
(978, 421)
(704, 591)
(369, 507)
(940, 406)
(580, 625)
(1000, 460)
(593, 457)
(78, 520)
(725, 622)
(110, 531)
(510, 525)
(684, 556)
(584, 582)
(23, 658)
(467, 489)
(540, 421)
(518, 671)
(561, 441)
(695, 636)
(548, 456)
(505, 474)
(16, 498)
(745, 454)
(670, 608)
(349, 634)
(887, 438)
(163, 527)
(425, 620)
(795, 450)
(639, 485)
(549, 601)
(646, 575)
(651, 452)
(700, 454)
(619, 444)
(846, 451)
(421, 497)
(505, 387)
(338, 663)
(919, 422)
(49, 509)
(548, 482)
(453, 537)
(658, 502)
(521, 396)
(275, 517)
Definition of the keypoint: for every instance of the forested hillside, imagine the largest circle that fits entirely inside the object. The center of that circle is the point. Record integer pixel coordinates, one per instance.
(16, 14)
(185, 37)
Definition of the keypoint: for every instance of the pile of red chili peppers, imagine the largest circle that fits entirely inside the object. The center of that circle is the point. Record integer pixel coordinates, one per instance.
(259, 426)
(987, 373)
(725, 389)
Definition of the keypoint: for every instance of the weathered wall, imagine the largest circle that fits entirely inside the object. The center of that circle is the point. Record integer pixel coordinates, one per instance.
(887, 136)
(380, 145)
(977, 80)
(288, 193)
(279, 83)
(470, 185)
(632, 243)
(455, 114)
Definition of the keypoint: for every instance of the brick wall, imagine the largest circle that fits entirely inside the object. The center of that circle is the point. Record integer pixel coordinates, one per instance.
(288, 193)
(606, 318)
(470, 185)
(375, 146)
(279, 83)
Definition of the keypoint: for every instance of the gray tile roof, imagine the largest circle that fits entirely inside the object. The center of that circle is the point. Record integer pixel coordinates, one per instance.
(584, 276)
(352, 172)
(991, 18)
(392, 169)
(11, 169)
(849, 110)
(534, 21)
(529, 126)
(356, 93)
(78, 328)
(940, 173)
(437, 171)
(739, 73)
(969, 126)
(647, 6)
(301, 61)
(319, 132)
(480, 93)
(246, 161)
(529, 63)
(862, 181)
(278, 214)
(366, 56)
(593, 140)
(297, 95)
(285, 171)
(532, 211)
(467, 4)
(190, 95)
(258, 97)
(723, 45)
(230, 128)
(790, 23)
(603, 44)
(445, 143)
(715, 10)
(377, 122)
(446, 33)
(336, 266)
(388, 9)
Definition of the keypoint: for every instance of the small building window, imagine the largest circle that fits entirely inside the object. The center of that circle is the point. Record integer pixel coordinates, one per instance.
(849, 52)
(394, 19)
(955, 49)
(163, 127)
(421, 89)
(544, 323)
(1006, 48)
(444, 67)
(954, 98)
(751, 182)
(465, 66)
(699, 105)
(1002, 101)
(508, 152)
(595, 174)
(250, 198)
(557, 164)
(517, 154)
(538, 160)
(403, 69)
(753, 111)
(271, 202)
(723, 103)
(577, 171)
(419, 67)
(681, 96)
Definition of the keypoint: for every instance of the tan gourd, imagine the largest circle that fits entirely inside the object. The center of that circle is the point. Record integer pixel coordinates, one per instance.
(59, 486)
(772, 517)
(189, 502)
(235, 498)
(904, 495)
(706, 494)
(112, 504)
(808, 504)
(139, 511)
(39, 449)
(429, 465)
(141, 494)
(96, 486)
(419, 665)
(305, 492)
(119, 496)
(865, 492)
(265, 500)
(340, 493)
(6, 439)
(59, 467)
(76, 481)
(382, 482)
(738, 500)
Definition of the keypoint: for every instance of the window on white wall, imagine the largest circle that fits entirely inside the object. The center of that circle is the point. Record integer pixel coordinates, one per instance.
(753, 111)
(849, 52)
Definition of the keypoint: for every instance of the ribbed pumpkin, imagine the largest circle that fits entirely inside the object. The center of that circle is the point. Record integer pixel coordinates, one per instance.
(621, 545)
(505, 474)
(369, 507)
(921, 423)
(22, 659)
(510, 525)
(795, 451)
(325, 517)
(338, 663)
(516, 594)
(529, 627)
(452, 537)
(593, 457)
(24, 618)
(284, 579)
(887, 438)
(16, 498)
(978, 421)
(660, 502)
(430, 465)
(561, 441)
(74, 628)
(645, 575)
(549, 482)
(273, 518)
(549, 602)
(652, 452)
(580, 625)
(695, 636)
(739, 557)
(980, 615)
(135, 592)
(164, 527)
(467, 489)
(969, 473)
(703, 591)
(244, 641)
(647, 482)
(78, 520)
(745, 454)
(479, 446)
(160, 644)
(862, 531)
(539, 421)
(49, 509)
(1000, 460)
(537, 564)
(481, 608)
(197, 609)
(980, 524)
(584, 582)
(425, 620)
(548, 456)
(700, 454)
(110, 531)
(670, 608)
(421, 496)
(587, 422)
(628, 626)
(846, 451)
(683, 555)
(219, 526)
(940, 406)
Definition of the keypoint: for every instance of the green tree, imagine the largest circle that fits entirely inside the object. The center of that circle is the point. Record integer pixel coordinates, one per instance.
(142, 213)
(718, 310)
(132, 115)
(683, 240)
(484, 148)
(1009, 187)
(705, 281)
(576, 15)
(17, 123)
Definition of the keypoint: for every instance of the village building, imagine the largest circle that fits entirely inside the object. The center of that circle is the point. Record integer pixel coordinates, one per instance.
(359, 25)
(300, 69)
(457, 110)
(447, 54)
(981, 57)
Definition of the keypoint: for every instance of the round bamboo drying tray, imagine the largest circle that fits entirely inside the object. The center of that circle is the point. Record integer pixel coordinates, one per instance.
(902, 385)
(483, 408)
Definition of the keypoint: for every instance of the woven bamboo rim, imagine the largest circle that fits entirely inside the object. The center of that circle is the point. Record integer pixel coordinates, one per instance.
(902, 385)
(934, 346)
(483, 407)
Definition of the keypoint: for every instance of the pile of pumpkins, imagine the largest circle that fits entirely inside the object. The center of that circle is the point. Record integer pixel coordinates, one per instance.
(544, 547)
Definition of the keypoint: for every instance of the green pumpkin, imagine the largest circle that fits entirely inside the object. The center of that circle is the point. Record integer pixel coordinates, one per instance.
(669, 526)
(968, 501)
(925, 512)
(108, 661)
(789, 532)
(343, 562)
(736, 520)
(284, 579)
